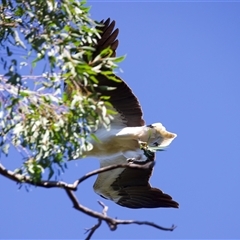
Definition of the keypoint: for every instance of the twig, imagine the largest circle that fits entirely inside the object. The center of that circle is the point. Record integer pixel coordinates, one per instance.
(2, 77)
(105, 208)
(93, 229)
(6, 24)
(96, 226)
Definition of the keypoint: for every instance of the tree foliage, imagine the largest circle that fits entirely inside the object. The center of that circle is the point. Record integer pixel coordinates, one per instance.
(44, 122)
(46, 118)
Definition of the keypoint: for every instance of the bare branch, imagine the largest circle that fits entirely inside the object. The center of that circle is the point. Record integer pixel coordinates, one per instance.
(19, 178)
(69, 188)
(111, 167)
(112, 223)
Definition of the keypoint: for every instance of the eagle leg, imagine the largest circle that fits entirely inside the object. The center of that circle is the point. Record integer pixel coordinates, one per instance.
(147, 151)
(132, 160)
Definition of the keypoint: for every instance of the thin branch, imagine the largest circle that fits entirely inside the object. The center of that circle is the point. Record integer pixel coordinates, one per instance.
(19, 178)
(2, 77)
(96, 226)
(6, 24)
(105, 208)
(93, 229)
(24, 77)
(111, 167)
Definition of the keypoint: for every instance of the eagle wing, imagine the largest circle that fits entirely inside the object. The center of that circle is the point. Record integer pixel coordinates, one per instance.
(130, 187)
(121, 97)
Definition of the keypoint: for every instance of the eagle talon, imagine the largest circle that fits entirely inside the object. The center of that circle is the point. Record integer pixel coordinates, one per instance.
(131, 160)
(143, 145)
(135, 161)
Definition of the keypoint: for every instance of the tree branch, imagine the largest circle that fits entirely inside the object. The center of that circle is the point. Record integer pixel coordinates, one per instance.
(111, 167)
(112, 223)
(19, 178)
(69, 188)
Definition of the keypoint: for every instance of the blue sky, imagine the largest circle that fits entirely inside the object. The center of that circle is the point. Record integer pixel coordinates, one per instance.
(183, 63)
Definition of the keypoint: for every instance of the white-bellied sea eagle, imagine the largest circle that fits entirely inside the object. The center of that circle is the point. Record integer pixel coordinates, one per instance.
(126, 186)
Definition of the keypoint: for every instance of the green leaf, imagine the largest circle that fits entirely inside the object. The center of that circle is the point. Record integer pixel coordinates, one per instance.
(94, 137)
(119, 59)
(24, 94)
(59, 40)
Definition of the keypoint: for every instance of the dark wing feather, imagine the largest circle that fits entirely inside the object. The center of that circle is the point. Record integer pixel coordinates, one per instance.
(145, 197)
(122, 97)
(108, 38)
(123, 100)
(136, 192)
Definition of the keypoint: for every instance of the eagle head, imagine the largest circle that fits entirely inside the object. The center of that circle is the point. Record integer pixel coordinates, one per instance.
(159, 137)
